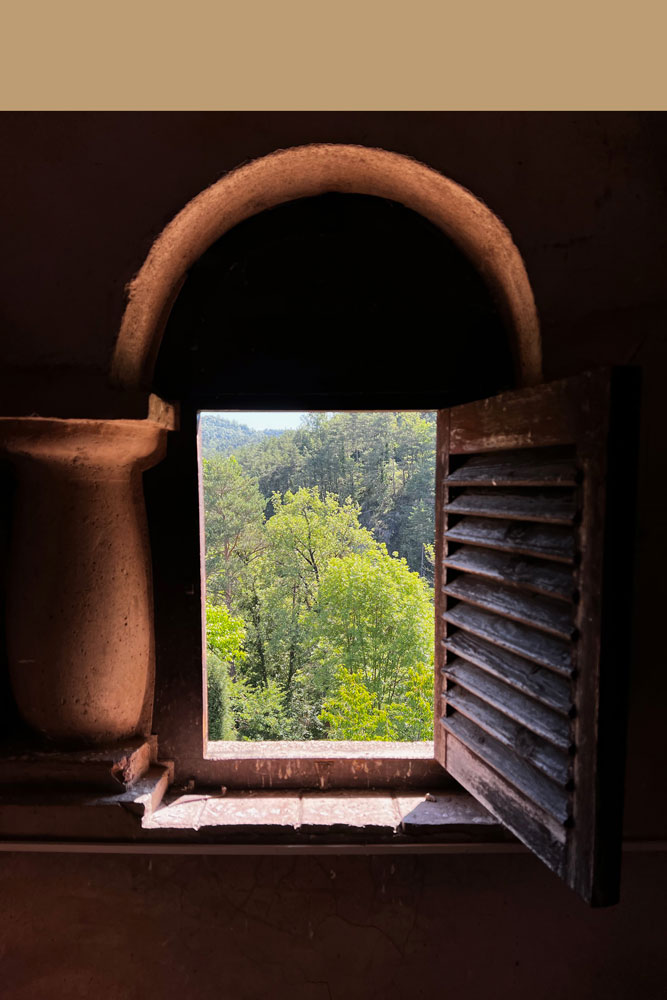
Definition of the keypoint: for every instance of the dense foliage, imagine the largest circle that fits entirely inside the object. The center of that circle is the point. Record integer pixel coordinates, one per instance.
(319, 547)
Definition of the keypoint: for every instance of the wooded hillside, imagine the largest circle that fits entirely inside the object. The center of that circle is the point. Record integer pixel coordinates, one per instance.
(220, 435)
(319, 557)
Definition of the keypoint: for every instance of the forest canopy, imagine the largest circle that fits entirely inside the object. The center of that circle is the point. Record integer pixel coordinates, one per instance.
(319, 569)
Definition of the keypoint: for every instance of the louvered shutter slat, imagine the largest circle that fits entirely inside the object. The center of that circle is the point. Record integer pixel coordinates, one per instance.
(540, 832)
(528, 505)
(526, 711)
(527, 779)
(517, 468)
(545, 650)
(541, 684)
(552, 762)
(550, 579)
(540, 612)
(546, 541)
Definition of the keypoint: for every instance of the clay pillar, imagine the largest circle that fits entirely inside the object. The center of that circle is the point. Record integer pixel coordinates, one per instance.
(79, 606)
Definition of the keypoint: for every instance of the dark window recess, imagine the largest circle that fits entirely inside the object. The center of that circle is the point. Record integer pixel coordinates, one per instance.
(333, 302)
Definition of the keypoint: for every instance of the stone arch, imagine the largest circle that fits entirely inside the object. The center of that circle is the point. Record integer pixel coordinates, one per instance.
(302, 172)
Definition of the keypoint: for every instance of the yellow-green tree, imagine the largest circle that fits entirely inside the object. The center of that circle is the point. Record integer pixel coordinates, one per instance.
(374, 627)
(225, 637)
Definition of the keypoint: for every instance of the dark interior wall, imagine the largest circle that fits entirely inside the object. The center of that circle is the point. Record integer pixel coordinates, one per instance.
(85, 194)
(323, 928)
(82, 198)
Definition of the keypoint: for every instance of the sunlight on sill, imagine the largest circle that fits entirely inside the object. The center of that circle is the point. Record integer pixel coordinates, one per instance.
(318, 750)
(334, 816)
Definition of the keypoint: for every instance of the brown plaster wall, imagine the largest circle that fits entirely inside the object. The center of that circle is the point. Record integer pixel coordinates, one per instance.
(325, 928)
(85, 194)
(82, 198)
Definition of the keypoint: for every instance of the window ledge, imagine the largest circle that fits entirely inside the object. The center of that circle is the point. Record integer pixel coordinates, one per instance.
(334, 817)
(318, 765)
(256, 820)
(319, 750)
(123, 795)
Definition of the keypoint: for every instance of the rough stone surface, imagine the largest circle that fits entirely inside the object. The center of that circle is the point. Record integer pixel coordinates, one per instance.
(196, 817)
(228, 813)
(373, 812)
(439, 809)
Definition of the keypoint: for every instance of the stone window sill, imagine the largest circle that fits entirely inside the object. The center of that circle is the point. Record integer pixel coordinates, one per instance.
(330, 817)
(150, 814)
(124, 795)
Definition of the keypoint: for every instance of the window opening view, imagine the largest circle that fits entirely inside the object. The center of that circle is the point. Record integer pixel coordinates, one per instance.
(319, 538)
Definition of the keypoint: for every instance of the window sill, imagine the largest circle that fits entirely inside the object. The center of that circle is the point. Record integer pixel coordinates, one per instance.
(318, 750)
(316, 765)
(329, 817)
(124, 795)
(141, 818)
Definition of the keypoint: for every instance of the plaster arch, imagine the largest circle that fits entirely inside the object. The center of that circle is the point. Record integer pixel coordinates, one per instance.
(305, 171)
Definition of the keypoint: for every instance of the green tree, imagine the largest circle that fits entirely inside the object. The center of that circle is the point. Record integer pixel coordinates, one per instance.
(352, 713)
(220, 699)
(309, 529)
(236, 709)
(306, 531)
(261, 713)
(415, 531)
(374, 627)
(225, 634)
(233, 524)
(225, 637)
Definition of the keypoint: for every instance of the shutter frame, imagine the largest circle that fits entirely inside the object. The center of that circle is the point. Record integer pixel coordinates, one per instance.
(595, 417)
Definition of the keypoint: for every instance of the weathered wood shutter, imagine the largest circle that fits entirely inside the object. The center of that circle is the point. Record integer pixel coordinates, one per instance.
(534, 538)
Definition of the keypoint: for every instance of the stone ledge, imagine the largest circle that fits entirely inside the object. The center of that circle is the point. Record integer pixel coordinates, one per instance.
(111, 769)
(336, 818)
(253, 819)
(73, 814)
(320, 750)
(75, 393)
(319, 765)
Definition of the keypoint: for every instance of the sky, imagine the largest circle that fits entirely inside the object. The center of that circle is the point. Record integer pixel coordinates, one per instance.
(263, 420)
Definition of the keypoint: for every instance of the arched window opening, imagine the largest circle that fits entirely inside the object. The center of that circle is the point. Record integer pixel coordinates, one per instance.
(329, 304)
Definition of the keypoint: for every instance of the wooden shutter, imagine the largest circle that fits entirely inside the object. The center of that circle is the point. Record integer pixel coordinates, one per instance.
(533, 579)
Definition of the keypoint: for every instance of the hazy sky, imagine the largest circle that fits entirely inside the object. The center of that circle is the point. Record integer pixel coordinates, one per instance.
(263, 420)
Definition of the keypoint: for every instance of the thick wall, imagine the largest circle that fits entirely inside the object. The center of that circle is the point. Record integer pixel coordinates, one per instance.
(82, 198)
(325, 928)
(85, 195)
